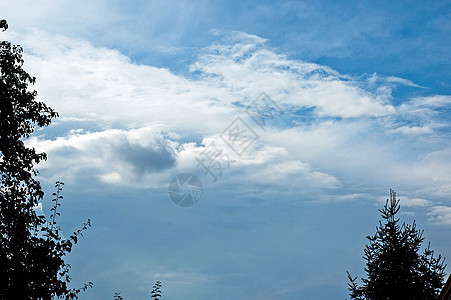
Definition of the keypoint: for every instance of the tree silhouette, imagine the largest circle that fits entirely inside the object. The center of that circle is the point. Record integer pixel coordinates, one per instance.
(31, 247)
(3, 25)
(395, 269)
(156, 292)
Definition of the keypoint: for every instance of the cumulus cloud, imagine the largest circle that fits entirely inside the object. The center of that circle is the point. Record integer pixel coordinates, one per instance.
(139, 123)
(114, 155)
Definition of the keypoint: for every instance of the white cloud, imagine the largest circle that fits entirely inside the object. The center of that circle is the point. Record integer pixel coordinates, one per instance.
(134, 157)
(141, 122)
(415, 202)
(111, 178)
(440, 215)
(436, 166)
(424, 108)
(346, 197)
(412, 130)
(402, 81)
(432, 101)
(246, 68)
(102, 84)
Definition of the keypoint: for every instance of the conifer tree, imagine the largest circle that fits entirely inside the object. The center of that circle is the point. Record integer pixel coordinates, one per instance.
(395, 268)
(156, 292)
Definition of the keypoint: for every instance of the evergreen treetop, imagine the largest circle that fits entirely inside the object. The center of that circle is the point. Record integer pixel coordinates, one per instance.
(395, 269)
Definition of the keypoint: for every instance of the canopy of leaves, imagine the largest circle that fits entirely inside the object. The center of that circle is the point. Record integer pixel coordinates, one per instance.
(31, 248)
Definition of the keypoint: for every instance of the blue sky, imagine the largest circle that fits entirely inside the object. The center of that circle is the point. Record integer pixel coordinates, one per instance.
(144, 88)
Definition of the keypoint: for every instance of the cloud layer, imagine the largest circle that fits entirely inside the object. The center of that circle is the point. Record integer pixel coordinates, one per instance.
(137, 124)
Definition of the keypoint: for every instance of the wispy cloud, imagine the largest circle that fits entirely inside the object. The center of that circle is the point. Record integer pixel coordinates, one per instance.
(440, 215)
(412, 130)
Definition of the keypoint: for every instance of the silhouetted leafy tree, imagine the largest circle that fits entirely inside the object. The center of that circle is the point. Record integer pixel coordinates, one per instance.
(156, 292)
(3, 25)
(395, 269)
(31, 248)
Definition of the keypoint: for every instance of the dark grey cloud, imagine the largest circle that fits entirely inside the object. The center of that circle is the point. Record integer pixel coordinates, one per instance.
(152, 158)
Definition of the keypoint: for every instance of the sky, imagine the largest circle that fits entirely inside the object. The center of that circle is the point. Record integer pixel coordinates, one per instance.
(297, 117)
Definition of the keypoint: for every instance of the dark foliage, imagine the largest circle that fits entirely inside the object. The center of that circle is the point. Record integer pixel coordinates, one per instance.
(3, 25)
(395, 269)
(31, 247)
(156, 292)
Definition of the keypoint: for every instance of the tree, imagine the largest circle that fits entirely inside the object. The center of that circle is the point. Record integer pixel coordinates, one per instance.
(156, 292)
(395, 269)
(31, 247)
